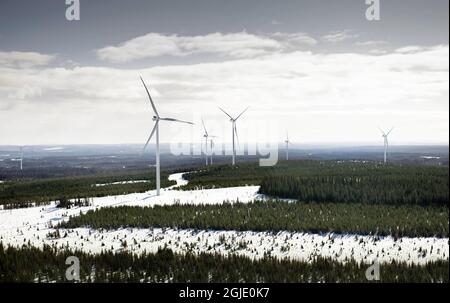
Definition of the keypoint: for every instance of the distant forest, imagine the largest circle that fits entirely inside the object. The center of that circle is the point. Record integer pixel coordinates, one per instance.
(30, 264)
(303, 180)
(15, 194)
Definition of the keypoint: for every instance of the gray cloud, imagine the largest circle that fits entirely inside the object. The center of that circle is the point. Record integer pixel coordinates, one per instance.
(17, 59)
(339, 36)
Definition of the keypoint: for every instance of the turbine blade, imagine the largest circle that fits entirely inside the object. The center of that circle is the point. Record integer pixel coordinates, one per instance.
(150, 97)
(241, 113)
(226, 113)
(382, 131)
(151, 135)
(204, 127)
(389, 131)
(175, 120)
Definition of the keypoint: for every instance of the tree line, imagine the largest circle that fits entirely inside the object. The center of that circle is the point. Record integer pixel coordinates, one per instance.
(412, 221)
(333, 181)
(29, 264)
(424, 189)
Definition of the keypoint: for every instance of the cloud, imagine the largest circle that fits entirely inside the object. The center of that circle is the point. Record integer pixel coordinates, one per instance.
(154, 45)
(294, 39)
(410, 49)
(377, 51)
(371, 43)
(338, 36)
(24, 59)
(311, 92)
(234, 45)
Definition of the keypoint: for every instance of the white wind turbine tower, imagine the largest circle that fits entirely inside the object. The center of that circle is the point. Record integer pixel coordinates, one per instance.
(386, 143)
(234, 131)
(21, 158)
(206, 136)
(287, 146)
(212, 146)
(157, 118)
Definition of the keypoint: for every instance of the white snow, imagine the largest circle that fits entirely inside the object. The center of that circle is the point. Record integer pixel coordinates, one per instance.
(122, 182)
(298, 246)
(33, 225)
(430, 157)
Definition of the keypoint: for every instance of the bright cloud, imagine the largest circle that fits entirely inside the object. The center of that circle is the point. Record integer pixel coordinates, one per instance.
(236, 45)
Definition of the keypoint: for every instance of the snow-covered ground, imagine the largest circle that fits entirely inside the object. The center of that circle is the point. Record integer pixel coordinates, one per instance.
(122, 182)
(299, 246)
(50, 214)
(35, 225)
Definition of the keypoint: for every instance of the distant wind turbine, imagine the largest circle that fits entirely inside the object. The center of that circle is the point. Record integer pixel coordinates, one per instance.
(206, 136)
(21, 158)
(157, 118)
(386, 143)
(234, 131)
(287, 146)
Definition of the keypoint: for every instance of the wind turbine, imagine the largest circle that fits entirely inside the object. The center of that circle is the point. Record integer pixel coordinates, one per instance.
(206, 136)
(287, 146)
(21, 158)
(157, 118)
(386, 143)
(234, 131)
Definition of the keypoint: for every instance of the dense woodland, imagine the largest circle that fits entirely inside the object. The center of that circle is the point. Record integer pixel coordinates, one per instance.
(421, 189)
(35, 192)
(29, 264)
(413, 221)
(334, 181)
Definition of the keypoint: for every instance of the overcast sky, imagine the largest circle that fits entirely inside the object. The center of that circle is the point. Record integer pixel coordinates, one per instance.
(319, 69)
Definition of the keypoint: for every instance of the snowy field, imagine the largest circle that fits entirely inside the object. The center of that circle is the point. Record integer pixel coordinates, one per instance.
(35, 226)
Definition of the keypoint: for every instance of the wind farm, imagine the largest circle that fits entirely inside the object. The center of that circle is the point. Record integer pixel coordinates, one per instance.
(117, 164)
